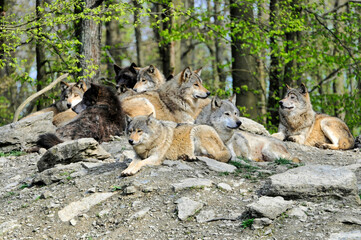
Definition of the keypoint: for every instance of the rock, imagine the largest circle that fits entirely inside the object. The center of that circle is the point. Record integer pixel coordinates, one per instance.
(84, 149)
(224, 186)
(91, 165)
(82, 206)
(73, 222)
(313, 181)
(249, 125)
(268, 207)
(217, 166)
(178, 164)
(130, 190)
(147, 189)
(140, 214)
(24, 134)
(259, 223)
(45, 195)
(192, 183)
(354, 235)
(187, 207)
(205, 216)
(7, 226)
(91, 190)
(57, 173)
(104, 212)
(298, 213)
(351, 220)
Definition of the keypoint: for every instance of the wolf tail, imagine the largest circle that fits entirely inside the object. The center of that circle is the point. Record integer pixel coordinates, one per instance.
(48, 140)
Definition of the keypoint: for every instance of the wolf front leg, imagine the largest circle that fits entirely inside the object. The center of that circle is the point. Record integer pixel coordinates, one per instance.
(136, 165)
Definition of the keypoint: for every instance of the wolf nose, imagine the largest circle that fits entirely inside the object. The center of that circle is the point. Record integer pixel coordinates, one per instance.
(281, 103)
(117, 86)
(68, 105)
(131, 141)
(239, 123)
(208, 93)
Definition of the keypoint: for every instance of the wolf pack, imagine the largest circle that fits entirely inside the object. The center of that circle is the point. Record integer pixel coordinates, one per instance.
(175, 118)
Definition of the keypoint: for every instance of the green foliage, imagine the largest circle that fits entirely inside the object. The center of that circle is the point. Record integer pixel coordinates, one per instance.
(247, 223)
(12, 153)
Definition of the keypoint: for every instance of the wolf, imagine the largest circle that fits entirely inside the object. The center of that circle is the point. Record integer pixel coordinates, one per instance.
(223, 116)
(149, 78)
(99, 116)
(179, 99)
(71, 95)
(301, 124)
(126, 77)
(155, 140)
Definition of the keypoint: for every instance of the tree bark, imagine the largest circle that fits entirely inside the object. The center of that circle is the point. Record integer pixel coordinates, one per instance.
(40, 60)
(244, 64)
(89, 34)
(275, 71)
(137, 32)
(219, 49)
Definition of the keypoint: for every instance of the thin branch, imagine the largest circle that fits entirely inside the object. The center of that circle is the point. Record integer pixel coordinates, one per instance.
(340, 6)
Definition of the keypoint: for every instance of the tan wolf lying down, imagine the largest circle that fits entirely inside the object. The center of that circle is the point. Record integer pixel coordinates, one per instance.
(71, 95)
(300, 124)
(154, 140)
(223, 116)
(179, 99)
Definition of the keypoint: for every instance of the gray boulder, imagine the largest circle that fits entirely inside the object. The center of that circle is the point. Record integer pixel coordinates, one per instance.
(268, 207)
(24, 134)
(84, 149)
(313, 181)
(187, 207)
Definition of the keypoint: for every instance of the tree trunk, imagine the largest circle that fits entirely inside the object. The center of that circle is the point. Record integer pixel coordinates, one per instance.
(219, 49)
(89, 34)
(275, 71)
(244, 64)
(40, 60)
(138, 36)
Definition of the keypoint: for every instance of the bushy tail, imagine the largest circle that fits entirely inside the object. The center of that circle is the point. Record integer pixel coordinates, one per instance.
(48, 140)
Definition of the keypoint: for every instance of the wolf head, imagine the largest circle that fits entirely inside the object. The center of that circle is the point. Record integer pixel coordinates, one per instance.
(101, 96)
(71, 94)
(141, 130)
(296, 100)
(149, 78)
(190, 84)
(125, 77)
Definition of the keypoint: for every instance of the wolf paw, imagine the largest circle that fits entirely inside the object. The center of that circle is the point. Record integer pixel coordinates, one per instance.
(322, 145)
(130, 171)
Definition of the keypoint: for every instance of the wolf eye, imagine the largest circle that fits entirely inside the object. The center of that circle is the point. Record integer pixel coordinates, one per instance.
(139, 131)
(143, 80)
(227, 114)
(76, 95)
(196, 84)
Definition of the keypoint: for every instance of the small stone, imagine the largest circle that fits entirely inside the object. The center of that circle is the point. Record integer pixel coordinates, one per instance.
(259, 223)
(130, 190)
(45, 195)
(298, 213)
(268, 207)
(73, 222)
(91, 190)
(205, 216)
(217, 166)
(192, 183)
(140, 214)
(147, 189)
(224, 186)
(187, 207)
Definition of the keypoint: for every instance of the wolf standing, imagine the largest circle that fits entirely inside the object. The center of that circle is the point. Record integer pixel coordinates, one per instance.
(300, 124)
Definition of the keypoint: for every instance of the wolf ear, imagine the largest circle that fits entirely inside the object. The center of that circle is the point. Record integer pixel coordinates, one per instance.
(128, 119)
(216, 102)
(64, 85)
(150, 118)
(233, 99)
(185, 75)
(288, 87)
(82, 85)
(133, 68)
(95, 88)
(151, 69)
(198, 71)
(303, 89)
(117, 69)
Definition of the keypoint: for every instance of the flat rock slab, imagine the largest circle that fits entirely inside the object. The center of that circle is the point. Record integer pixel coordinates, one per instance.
(192, 183)
(187, 207)
(84, 149)
(354, 235)
(313, 181)
(79, 207)
(269, 207)
(178, 164)
(217, 166)
(24, 134)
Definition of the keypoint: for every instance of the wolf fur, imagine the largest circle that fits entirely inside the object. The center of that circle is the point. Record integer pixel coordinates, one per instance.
(179, 99)
(125, 77)
(149, 78)
(71, 95)
(223, 116)
(99, 116)
(154, 140)
(301, 124)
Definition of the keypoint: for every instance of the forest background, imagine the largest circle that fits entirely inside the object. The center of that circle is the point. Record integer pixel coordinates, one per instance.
(250, 47)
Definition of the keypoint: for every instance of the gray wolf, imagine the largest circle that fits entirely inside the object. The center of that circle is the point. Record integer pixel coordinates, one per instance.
(301, 124)
(99, 116)
(125, 77)
(154, 140)
(223, 116)
(179, 99)
(71, 95)
(149, 78)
